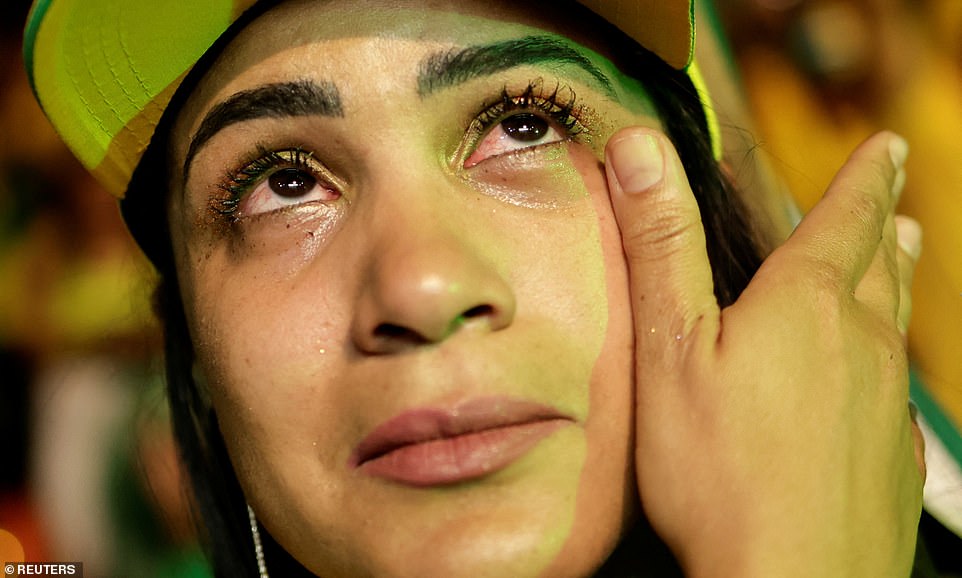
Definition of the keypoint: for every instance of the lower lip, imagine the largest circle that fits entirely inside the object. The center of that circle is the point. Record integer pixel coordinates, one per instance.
(460, 458)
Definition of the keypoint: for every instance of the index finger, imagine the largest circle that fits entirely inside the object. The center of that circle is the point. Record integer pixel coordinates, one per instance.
(670, 275)
(842, 233)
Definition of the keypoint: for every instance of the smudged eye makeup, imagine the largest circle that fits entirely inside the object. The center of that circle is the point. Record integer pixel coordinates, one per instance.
(535, 117)
(514, 122)
(272, 181)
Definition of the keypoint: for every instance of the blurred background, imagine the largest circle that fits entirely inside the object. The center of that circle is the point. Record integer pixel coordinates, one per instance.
(88, 469)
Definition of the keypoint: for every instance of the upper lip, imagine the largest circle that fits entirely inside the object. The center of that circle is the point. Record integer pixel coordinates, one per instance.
(432, 423)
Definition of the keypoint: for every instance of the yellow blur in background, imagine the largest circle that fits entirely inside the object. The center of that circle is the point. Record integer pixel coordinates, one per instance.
(817, 77)
(89, 471)
(824, 75)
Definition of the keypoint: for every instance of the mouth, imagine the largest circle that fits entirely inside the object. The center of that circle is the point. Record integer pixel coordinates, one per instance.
(433, 447)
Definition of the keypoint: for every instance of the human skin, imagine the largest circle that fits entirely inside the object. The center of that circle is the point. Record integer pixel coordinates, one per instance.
(795, 395)
(417, 236)
(422, 227)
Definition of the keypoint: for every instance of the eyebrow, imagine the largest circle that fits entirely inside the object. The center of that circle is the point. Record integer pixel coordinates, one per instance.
(457, 66)
(279, 100)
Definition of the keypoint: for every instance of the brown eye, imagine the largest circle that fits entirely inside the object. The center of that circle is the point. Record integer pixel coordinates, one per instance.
(517, 132)
(291, 183)
(525, 127)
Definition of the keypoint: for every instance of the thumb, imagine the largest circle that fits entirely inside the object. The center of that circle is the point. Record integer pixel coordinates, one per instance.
(664, 242)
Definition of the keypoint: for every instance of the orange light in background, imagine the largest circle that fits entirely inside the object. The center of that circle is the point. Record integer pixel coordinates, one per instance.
(11, 550)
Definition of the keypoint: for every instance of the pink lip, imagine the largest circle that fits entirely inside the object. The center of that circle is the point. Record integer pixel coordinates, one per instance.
(429, 447)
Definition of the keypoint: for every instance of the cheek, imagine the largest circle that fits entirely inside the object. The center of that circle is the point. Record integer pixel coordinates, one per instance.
(606, 501)
(613, 271)
(254, 333)
(272, 346)
(611, 417)
(267, 350)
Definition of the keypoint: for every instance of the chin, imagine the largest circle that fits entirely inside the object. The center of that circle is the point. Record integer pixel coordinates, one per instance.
(542, 516)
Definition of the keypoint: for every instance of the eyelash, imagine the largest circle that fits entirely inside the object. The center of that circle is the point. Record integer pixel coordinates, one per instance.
(266, 161)
(560, 105)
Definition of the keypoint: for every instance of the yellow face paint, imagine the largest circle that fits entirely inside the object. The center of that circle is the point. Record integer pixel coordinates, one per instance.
(445, 295)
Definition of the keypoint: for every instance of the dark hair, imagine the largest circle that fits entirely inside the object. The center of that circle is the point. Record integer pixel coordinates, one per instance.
(733, 249)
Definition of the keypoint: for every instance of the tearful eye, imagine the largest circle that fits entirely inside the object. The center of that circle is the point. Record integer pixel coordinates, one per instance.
(286, 187)
(275, 180)
(525, 127)
(516, 132)
(291, 183)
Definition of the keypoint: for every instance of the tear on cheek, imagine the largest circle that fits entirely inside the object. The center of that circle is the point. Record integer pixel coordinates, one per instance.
(545, 178)
(291, 236)
(590, 169)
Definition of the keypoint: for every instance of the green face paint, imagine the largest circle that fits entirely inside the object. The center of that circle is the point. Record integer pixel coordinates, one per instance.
(440, 265)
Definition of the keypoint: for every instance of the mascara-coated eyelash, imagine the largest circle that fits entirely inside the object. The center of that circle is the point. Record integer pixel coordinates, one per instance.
(238, 184)
(558, 104)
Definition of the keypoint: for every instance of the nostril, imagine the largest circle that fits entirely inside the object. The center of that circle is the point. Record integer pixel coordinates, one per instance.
(400, 335)
(397, 333)
(478, 311)
(469, 316)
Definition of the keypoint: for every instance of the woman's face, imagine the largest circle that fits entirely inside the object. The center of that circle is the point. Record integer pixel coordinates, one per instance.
(406, 288)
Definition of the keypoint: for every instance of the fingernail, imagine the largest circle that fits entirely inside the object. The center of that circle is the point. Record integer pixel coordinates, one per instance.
(909, 236)
(637, 161)
(898, 151)
(898, 184)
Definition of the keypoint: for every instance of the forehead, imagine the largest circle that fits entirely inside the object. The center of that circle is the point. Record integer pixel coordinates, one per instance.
(443, 21)
(456, 21)
(279, 42)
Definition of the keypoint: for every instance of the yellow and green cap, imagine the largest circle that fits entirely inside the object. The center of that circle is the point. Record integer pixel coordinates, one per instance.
(105, 70)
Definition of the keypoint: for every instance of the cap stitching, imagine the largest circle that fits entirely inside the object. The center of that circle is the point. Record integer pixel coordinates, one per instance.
(110, 154)
(76, 82)
(142, 140)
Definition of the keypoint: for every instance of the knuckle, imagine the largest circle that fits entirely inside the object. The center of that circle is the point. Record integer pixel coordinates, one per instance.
(868, 207)
(878, 175)
(665, 231)
(877, 179)
(830, 317)
(821, 303)
(825, 279)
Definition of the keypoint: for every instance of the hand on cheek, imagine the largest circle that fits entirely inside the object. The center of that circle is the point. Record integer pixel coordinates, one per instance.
(773, 437)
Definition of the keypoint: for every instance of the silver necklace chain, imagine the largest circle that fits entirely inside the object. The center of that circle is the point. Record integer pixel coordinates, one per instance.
(258, 548)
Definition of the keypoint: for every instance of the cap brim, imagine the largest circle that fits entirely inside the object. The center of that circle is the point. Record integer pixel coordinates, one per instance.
(104, 70)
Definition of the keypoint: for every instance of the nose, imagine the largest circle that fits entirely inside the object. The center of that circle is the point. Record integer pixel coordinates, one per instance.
(424, 283)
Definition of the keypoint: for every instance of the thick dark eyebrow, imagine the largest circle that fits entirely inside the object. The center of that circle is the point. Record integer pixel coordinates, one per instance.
(457, 66)
(280, 100)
